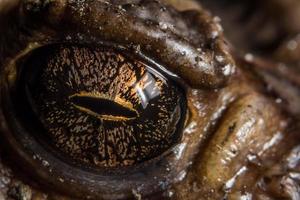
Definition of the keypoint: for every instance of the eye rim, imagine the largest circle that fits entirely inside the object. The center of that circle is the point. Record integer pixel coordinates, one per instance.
(126, 52)
(24, 147)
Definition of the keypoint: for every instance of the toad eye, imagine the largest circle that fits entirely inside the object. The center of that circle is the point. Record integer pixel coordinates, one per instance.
(97, 106)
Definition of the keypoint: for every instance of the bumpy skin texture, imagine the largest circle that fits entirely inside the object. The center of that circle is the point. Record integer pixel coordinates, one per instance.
(241, 139)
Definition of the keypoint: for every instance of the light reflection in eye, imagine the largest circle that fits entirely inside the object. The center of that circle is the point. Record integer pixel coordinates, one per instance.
(147, 89)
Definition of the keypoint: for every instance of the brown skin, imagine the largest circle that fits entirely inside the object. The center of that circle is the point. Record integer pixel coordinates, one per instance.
(241, 136)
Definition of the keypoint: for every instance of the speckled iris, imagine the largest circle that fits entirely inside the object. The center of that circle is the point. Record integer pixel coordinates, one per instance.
(102, 108)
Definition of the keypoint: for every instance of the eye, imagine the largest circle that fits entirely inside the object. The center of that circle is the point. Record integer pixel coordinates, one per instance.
(98, 106)
(88, 117)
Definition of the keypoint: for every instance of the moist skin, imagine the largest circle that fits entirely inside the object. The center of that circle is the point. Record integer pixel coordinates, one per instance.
(241, 139)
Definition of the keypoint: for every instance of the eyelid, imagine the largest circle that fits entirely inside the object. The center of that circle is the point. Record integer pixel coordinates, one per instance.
(198, 68)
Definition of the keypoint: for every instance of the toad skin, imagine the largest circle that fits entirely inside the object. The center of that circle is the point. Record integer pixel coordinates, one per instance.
(241, 139)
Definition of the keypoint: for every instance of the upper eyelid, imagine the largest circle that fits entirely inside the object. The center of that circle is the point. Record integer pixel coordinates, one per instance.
(200, 69)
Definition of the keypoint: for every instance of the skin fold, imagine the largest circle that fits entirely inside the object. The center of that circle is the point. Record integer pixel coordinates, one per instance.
(241, 137)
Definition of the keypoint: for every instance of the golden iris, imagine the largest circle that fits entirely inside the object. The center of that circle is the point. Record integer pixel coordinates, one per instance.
(98, 106)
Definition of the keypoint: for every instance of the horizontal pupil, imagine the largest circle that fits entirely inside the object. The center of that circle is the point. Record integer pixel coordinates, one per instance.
(104, 108)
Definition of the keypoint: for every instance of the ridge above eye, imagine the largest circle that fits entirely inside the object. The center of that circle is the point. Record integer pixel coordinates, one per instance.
(193, 48)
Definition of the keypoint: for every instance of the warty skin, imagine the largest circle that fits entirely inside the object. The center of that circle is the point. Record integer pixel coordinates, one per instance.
(241, 139)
